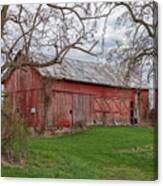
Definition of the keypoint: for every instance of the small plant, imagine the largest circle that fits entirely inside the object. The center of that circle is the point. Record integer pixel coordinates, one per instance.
(14, 136)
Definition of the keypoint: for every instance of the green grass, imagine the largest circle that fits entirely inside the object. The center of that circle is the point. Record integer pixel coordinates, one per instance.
(96, 153)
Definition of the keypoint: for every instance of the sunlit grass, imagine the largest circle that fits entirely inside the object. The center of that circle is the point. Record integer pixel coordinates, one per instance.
(96, 153)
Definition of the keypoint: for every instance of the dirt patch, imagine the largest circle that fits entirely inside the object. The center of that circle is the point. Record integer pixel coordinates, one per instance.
(145, 148)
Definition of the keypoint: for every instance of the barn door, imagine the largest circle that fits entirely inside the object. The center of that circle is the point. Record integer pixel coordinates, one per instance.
(78, 116)
(62, 109)
(82, 109)
(111, 110)
(132, 119)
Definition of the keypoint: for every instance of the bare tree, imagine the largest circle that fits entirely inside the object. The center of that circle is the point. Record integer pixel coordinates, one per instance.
(142, 52)
(141, 20)
(57, 28)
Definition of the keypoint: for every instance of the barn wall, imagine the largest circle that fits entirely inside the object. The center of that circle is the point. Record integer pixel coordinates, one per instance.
(75, 102)
(144, 106)
(68, 108)
(92, 89)
(24, 92)
(49, 102)
(21, 80)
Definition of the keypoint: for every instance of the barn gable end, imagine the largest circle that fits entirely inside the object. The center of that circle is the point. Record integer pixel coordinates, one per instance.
(24, 91)
(23, 79)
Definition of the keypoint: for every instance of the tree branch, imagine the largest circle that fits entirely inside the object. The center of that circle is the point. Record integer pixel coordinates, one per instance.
(136, 20)
(3, 17)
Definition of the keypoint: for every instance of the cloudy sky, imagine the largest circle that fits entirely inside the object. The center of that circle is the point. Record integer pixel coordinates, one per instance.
(112, 34)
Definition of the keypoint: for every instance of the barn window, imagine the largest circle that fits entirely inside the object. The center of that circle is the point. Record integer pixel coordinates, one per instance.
(33, 110)
(132, 112)
(49, 122)
(17, 110)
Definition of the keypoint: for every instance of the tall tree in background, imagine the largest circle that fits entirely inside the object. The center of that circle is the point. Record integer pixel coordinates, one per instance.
(140, 21)
(142, 51)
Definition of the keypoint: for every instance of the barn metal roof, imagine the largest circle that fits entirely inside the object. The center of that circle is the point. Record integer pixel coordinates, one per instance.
(90, 72)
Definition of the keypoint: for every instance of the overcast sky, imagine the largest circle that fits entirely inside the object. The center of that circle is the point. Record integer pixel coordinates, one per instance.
(112, 35)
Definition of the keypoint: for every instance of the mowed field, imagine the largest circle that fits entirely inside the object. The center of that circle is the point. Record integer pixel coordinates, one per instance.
(95, 153)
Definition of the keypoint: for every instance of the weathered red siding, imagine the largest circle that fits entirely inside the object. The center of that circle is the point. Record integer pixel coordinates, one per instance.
(24, 89)
(49, 102)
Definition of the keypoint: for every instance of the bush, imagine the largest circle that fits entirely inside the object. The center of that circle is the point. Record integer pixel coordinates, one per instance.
(15, 136)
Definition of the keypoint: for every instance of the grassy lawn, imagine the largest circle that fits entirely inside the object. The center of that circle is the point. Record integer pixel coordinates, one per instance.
(96, 153)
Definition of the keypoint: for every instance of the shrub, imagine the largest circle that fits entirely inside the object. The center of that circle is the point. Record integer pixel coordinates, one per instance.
(15, 136)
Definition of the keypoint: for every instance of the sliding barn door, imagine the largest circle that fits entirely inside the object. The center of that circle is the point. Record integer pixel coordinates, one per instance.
(62, 109)
(82, 112)
(111, 110)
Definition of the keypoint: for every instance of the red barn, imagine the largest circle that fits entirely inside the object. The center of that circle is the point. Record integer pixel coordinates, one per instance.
(72, 93)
